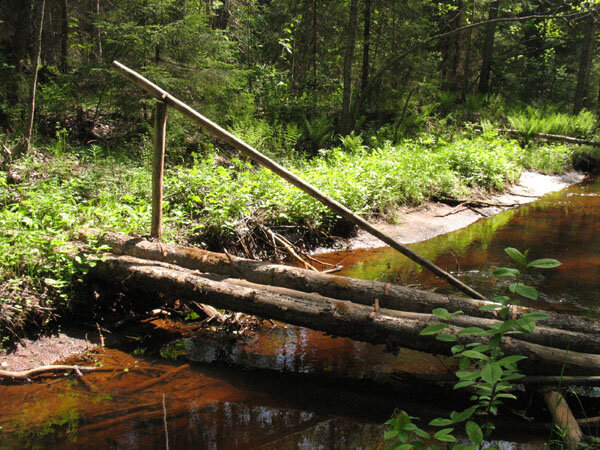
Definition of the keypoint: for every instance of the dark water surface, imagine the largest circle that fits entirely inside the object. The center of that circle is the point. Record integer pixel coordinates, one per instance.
(289, 387)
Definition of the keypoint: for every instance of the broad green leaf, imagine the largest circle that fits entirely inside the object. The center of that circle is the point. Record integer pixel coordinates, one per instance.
(523, 290)
(491, 373)
(506, 395)
(390, 434)
(507, 360)
(506, 272)
(544, 263)
(466, 375)
(462, 384)
(489, 307)
(458, 417)
(471, 330)
(474, 355)
(440, 422)
(516, 255)
(445, 436)
(442, 313)
(538, 315)
(421, 433)
(446, 337)
(433, 329)
(525, 324)
(457, 348)
(474, 432)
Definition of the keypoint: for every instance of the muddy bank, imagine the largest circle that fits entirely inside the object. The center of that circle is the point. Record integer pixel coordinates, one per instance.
(415, 224)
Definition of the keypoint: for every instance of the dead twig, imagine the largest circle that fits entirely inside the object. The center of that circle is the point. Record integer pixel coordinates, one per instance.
(26, 375)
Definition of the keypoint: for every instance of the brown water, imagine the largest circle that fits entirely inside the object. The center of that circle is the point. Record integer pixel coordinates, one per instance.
(297, 388)
(563, 225)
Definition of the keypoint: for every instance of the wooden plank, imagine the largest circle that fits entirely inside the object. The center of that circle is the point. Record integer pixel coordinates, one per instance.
(263, 160)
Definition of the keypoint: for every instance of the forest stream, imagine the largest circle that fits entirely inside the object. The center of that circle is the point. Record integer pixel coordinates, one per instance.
(290, 387)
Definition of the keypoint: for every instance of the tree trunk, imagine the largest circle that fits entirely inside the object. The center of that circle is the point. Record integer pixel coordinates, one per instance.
(585, 65)
(341, 318)
(361, 99)
(358, 291)
(36, 66)
(64, 36)
(488, 49)
(345, 122)
(98, 33)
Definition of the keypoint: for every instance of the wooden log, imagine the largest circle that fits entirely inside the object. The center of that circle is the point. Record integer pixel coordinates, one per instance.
(341, 318)
(264, 161)
(364, 292)
(27, 374)
(158, 165)
(563, 417)
(552, 137)
(551, 337)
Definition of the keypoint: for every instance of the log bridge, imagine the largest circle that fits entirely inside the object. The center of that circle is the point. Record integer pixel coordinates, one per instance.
(368, 311)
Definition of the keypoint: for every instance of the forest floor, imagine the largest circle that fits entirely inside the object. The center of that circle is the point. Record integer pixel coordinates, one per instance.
(411, 225)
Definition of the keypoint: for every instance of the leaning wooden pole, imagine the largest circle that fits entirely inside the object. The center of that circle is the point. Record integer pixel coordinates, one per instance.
(562, 417)
(254, 154)
(158, 165)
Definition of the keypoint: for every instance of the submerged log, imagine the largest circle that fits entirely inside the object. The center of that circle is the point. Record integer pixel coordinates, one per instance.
(364, 292)
(338, 317)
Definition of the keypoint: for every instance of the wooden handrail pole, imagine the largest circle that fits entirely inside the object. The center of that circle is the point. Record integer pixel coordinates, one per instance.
(263, 160)
(158, 165)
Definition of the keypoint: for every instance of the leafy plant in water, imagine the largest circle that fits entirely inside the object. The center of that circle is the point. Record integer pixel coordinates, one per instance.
(483, 366)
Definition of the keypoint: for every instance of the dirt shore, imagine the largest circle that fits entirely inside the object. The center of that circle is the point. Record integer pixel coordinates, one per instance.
(411, 225)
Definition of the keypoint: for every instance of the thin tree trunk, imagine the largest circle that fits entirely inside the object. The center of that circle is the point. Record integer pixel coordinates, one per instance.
(98, 33)
(345, 123)
(488, 49)
(361, 99)
(64, 36)
(36, 66)
(585, 65)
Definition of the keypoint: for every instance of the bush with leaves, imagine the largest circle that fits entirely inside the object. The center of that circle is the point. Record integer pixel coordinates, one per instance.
(483, 367)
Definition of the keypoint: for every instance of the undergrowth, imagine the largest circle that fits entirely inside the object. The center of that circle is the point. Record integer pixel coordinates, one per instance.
(49, 195)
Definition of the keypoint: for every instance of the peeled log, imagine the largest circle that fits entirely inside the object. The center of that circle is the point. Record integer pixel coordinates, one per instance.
(364, 292)
(338, 317)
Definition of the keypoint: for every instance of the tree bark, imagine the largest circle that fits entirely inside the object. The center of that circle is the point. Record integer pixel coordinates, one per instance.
(361, 98)
(341, 318)
(345, 122)
(488, 48)
(98, 33)
(364, 292)
(34, 77)
(585, 65)
(563, 418)
(64, 36)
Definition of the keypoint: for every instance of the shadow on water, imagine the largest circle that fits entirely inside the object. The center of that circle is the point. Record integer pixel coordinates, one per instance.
(289, 387)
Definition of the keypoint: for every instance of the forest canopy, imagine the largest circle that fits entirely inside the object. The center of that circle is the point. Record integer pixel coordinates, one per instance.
(299, 73)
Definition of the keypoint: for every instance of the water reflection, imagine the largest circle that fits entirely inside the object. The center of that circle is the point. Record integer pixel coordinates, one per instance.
(563, 225)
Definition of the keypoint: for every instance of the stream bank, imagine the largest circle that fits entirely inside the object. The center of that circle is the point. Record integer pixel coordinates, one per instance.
(412, 225)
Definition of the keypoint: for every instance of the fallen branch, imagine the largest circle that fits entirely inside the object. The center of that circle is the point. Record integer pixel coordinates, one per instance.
(563, 418)
(27, 374)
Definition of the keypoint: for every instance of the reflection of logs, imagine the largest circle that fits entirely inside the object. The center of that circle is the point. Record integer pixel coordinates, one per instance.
(358, 291)
(333, 316)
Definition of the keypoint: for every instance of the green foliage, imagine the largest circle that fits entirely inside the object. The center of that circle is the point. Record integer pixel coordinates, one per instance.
(483, 366)
(534, 120)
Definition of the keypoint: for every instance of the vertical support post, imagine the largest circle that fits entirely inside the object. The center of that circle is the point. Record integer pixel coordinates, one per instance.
(158, 165)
